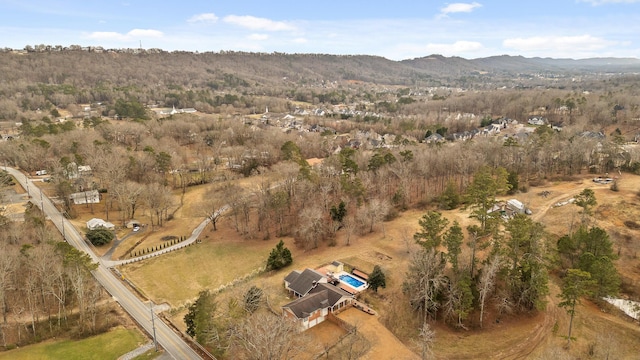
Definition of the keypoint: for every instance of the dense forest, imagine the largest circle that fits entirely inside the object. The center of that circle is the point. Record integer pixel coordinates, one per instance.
(268, 115)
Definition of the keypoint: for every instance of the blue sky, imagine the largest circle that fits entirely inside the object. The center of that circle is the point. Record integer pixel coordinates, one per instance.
(396, 30)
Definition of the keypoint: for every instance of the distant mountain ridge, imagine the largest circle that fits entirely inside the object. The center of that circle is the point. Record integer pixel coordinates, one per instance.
(139, 66)
(519, 63)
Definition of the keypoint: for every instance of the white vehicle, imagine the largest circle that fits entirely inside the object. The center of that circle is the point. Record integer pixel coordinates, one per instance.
(41, 172)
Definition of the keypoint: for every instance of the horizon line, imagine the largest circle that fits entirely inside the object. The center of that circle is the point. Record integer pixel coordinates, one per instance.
(89, 48)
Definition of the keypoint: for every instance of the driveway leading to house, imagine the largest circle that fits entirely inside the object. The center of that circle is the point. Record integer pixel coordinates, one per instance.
(384, 345)
(171, 341)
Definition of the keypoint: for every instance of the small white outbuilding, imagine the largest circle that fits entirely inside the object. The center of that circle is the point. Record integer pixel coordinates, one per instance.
(96, 223)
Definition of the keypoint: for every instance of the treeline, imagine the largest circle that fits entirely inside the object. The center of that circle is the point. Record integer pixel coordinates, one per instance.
(501, 264)
(136, 166)
(244, 83)
(46, 286)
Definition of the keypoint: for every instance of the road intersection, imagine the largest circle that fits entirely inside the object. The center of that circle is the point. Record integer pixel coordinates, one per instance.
(172, 342)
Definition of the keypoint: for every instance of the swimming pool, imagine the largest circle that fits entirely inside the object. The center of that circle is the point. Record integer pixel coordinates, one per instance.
(351, 280)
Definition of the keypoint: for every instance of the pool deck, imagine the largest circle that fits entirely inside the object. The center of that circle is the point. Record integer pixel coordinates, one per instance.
(326, 270)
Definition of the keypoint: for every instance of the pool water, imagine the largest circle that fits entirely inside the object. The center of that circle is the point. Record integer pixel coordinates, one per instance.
(351, 280)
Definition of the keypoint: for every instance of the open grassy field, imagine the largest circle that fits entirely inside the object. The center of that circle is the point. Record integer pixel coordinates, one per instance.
(110, 345)
(224, 256)
(176, 278)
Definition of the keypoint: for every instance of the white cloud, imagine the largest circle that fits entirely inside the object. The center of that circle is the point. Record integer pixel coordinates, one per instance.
(459, 7)
(602, 2)
(579, 43)
(258, 37)
(205, 17)
(454, 48)
(300, 40)
(256, 23)
(131, 35)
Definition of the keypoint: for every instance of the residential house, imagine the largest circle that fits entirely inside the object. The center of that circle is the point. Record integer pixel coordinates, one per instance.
(434, 138)
(463, 136)
(300, 283)
(494, 128)
(86, 197)
(593, 135)
(516, 206)
(314, 308)
(96, 223)
(537, 120)
(354, 143)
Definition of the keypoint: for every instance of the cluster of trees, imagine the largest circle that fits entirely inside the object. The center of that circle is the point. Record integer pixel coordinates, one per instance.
(247, 329)
(586, 259)
(141, 163)
(138, 165)
(99, 237)
(46, 287)
(448, 279)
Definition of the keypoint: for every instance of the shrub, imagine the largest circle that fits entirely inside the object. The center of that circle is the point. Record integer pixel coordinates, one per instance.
(253, 298)
(99, 237)
(377, 279)
(279, 257)
(614, 186)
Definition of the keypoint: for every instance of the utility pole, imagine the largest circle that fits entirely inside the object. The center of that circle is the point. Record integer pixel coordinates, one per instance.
(153, 325)
(64, 236)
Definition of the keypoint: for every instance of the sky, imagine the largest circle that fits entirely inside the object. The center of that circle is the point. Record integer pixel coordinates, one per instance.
(396, 30)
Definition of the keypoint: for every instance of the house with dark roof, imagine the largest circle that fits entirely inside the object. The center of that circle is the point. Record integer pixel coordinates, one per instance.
(300, 283)
(315, 306)
(434, 138)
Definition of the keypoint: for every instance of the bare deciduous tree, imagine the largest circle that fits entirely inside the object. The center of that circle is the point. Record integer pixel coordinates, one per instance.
(214, 207)
(426, 338)
(158, 199)
(311, 226)
(8, 263)
(376, 210)
(265, 336)
(129, 195)
(487, 281)
(425, 280)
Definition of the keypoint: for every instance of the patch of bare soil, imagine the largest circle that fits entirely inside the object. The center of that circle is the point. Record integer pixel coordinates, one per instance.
(521, 336)
(384, 345)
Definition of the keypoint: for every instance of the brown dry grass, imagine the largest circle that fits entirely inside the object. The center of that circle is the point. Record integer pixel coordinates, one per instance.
(223, 256)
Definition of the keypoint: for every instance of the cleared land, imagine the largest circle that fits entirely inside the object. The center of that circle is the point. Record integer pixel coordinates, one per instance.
(224, 256)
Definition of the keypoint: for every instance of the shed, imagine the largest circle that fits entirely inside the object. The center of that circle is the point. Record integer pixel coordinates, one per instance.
(86, 197)
(516, 206)
(133, 223)
(96, 223)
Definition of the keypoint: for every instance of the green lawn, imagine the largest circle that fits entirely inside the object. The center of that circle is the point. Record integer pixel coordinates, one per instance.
(110, 345)
(177, 277)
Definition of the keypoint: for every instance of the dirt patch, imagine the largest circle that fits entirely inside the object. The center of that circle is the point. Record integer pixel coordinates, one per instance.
(225, 255)
(632, 224)
(384, 345)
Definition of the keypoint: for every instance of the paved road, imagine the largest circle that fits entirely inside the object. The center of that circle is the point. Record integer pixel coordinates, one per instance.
(173, 344)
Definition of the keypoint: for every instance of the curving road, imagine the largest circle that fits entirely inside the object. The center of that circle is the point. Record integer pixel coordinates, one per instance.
(173, 344)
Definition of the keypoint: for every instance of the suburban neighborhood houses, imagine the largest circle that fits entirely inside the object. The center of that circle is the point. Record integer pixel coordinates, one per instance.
(310, 206)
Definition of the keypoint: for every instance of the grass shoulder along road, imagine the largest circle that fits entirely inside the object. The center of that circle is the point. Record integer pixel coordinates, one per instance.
(109, 345)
